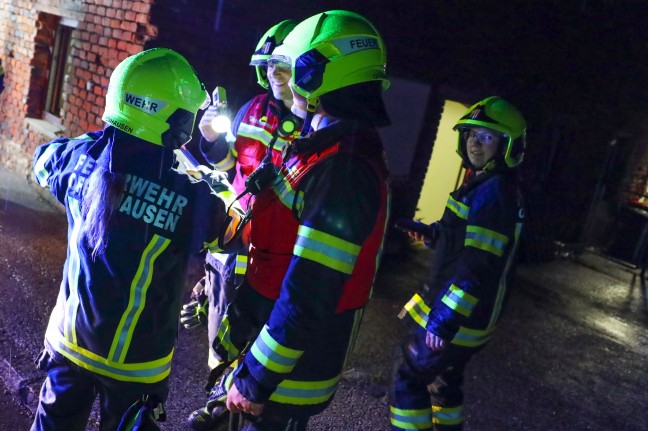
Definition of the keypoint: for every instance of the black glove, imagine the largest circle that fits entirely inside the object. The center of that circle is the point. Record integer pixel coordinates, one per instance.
(430, 241)
(194, 313)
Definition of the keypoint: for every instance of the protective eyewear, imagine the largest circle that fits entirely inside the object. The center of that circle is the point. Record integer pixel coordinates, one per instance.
(281, 61)
(485, 138)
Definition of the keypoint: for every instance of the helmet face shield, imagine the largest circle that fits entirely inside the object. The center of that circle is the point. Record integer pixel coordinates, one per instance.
(282, 61)
(180, 127)
(308, 73)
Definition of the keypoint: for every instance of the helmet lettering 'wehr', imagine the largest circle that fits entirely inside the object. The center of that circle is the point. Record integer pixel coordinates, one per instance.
(155, 95)
(501, 116)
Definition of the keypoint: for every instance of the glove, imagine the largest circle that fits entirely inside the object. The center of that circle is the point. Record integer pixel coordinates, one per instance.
(194, 313)
(430, 241)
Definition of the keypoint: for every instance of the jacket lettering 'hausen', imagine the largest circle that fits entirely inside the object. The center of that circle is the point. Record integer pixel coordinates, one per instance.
(116, 315)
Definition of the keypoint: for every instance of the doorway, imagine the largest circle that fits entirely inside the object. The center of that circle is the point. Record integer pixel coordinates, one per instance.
(444, 173)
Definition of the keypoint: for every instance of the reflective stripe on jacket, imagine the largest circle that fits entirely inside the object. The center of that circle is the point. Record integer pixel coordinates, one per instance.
(116, 313)
(316, 244)
(478, 237)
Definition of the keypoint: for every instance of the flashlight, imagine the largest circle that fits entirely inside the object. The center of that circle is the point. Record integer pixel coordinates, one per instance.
(221, 123)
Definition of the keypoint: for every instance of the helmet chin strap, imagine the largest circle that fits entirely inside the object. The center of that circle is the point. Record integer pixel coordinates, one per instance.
(310, 112)
(489, 166)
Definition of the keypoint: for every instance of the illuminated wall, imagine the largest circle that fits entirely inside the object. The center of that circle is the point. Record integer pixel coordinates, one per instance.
(445, 166)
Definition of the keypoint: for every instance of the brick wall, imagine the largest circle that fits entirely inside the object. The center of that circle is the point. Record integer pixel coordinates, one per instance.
(107, 32)
(576, 81)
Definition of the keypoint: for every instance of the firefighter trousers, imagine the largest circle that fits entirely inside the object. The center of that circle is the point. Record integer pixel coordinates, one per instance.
(426, 392)
(68, 393)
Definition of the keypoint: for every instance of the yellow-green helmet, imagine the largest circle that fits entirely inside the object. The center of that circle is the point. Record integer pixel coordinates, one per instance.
(332, 50)
(268, 42)
(497, 114)
(155, 95)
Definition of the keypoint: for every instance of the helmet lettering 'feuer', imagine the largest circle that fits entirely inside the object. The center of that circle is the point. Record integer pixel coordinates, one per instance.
(332, 50)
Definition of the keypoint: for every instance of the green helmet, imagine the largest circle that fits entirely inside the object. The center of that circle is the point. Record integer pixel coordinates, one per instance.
(332, 50)
(268, 42)
(155, 95)
(496, 114)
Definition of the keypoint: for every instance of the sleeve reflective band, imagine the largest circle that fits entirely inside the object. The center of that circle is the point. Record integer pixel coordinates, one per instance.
(418, 310)
(226, 164)
(303, 393)
(472, 337)
(486, 239)
(41, 173)
(272, 355)
(419, 419)
(326, 249)
(459, 301)
(460, 209)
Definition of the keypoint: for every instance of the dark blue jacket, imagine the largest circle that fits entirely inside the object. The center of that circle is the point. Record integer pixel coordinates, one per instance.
(116, 314)
(478, 237)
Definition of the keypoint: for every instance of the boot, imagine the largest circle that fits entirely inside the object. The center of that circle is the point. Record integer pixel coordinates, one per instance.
(214, 416)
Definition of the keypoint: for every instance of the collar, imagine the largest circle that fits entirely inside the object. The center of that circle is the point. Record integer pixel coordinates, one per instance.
(118, 152)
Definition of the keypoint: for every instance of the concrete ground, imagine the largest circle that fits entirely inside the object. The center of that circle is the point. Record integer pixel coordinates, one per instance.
(570, 353)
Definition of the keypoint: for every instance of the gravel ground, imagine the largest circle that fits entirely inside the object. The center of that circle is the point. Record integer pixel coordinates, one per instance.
(569, 354)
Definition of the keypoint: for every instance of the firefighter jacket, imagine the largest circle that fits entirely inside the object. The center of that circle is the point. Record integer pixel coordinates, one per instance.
(117, 313)
(255, 129)
(316, 241)
(478, 237)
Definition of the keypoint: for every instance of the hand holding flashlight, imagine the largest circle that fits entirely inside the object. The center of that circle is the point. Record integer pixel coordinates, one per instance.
(216, 119)
(221, 123)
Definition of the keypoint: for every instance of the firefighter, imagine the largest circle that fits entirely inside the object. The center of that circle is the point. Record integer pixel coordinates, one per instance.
(263, 127)
(476, 241)
(317, 230)
(133, 223)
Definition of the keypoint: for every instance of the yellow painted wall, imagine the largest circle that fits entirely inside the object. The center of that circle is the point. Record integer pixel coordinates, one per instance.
(445, 166)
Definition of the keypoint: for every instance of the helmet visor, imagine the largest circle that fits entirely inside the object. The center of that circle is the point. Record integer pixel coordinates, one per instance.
(282, 61)
(309, 71)
(256, 61)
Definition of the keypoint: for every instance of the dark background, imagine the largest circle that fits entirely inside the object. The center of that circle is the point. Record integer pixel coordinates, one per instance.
(577, 69)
